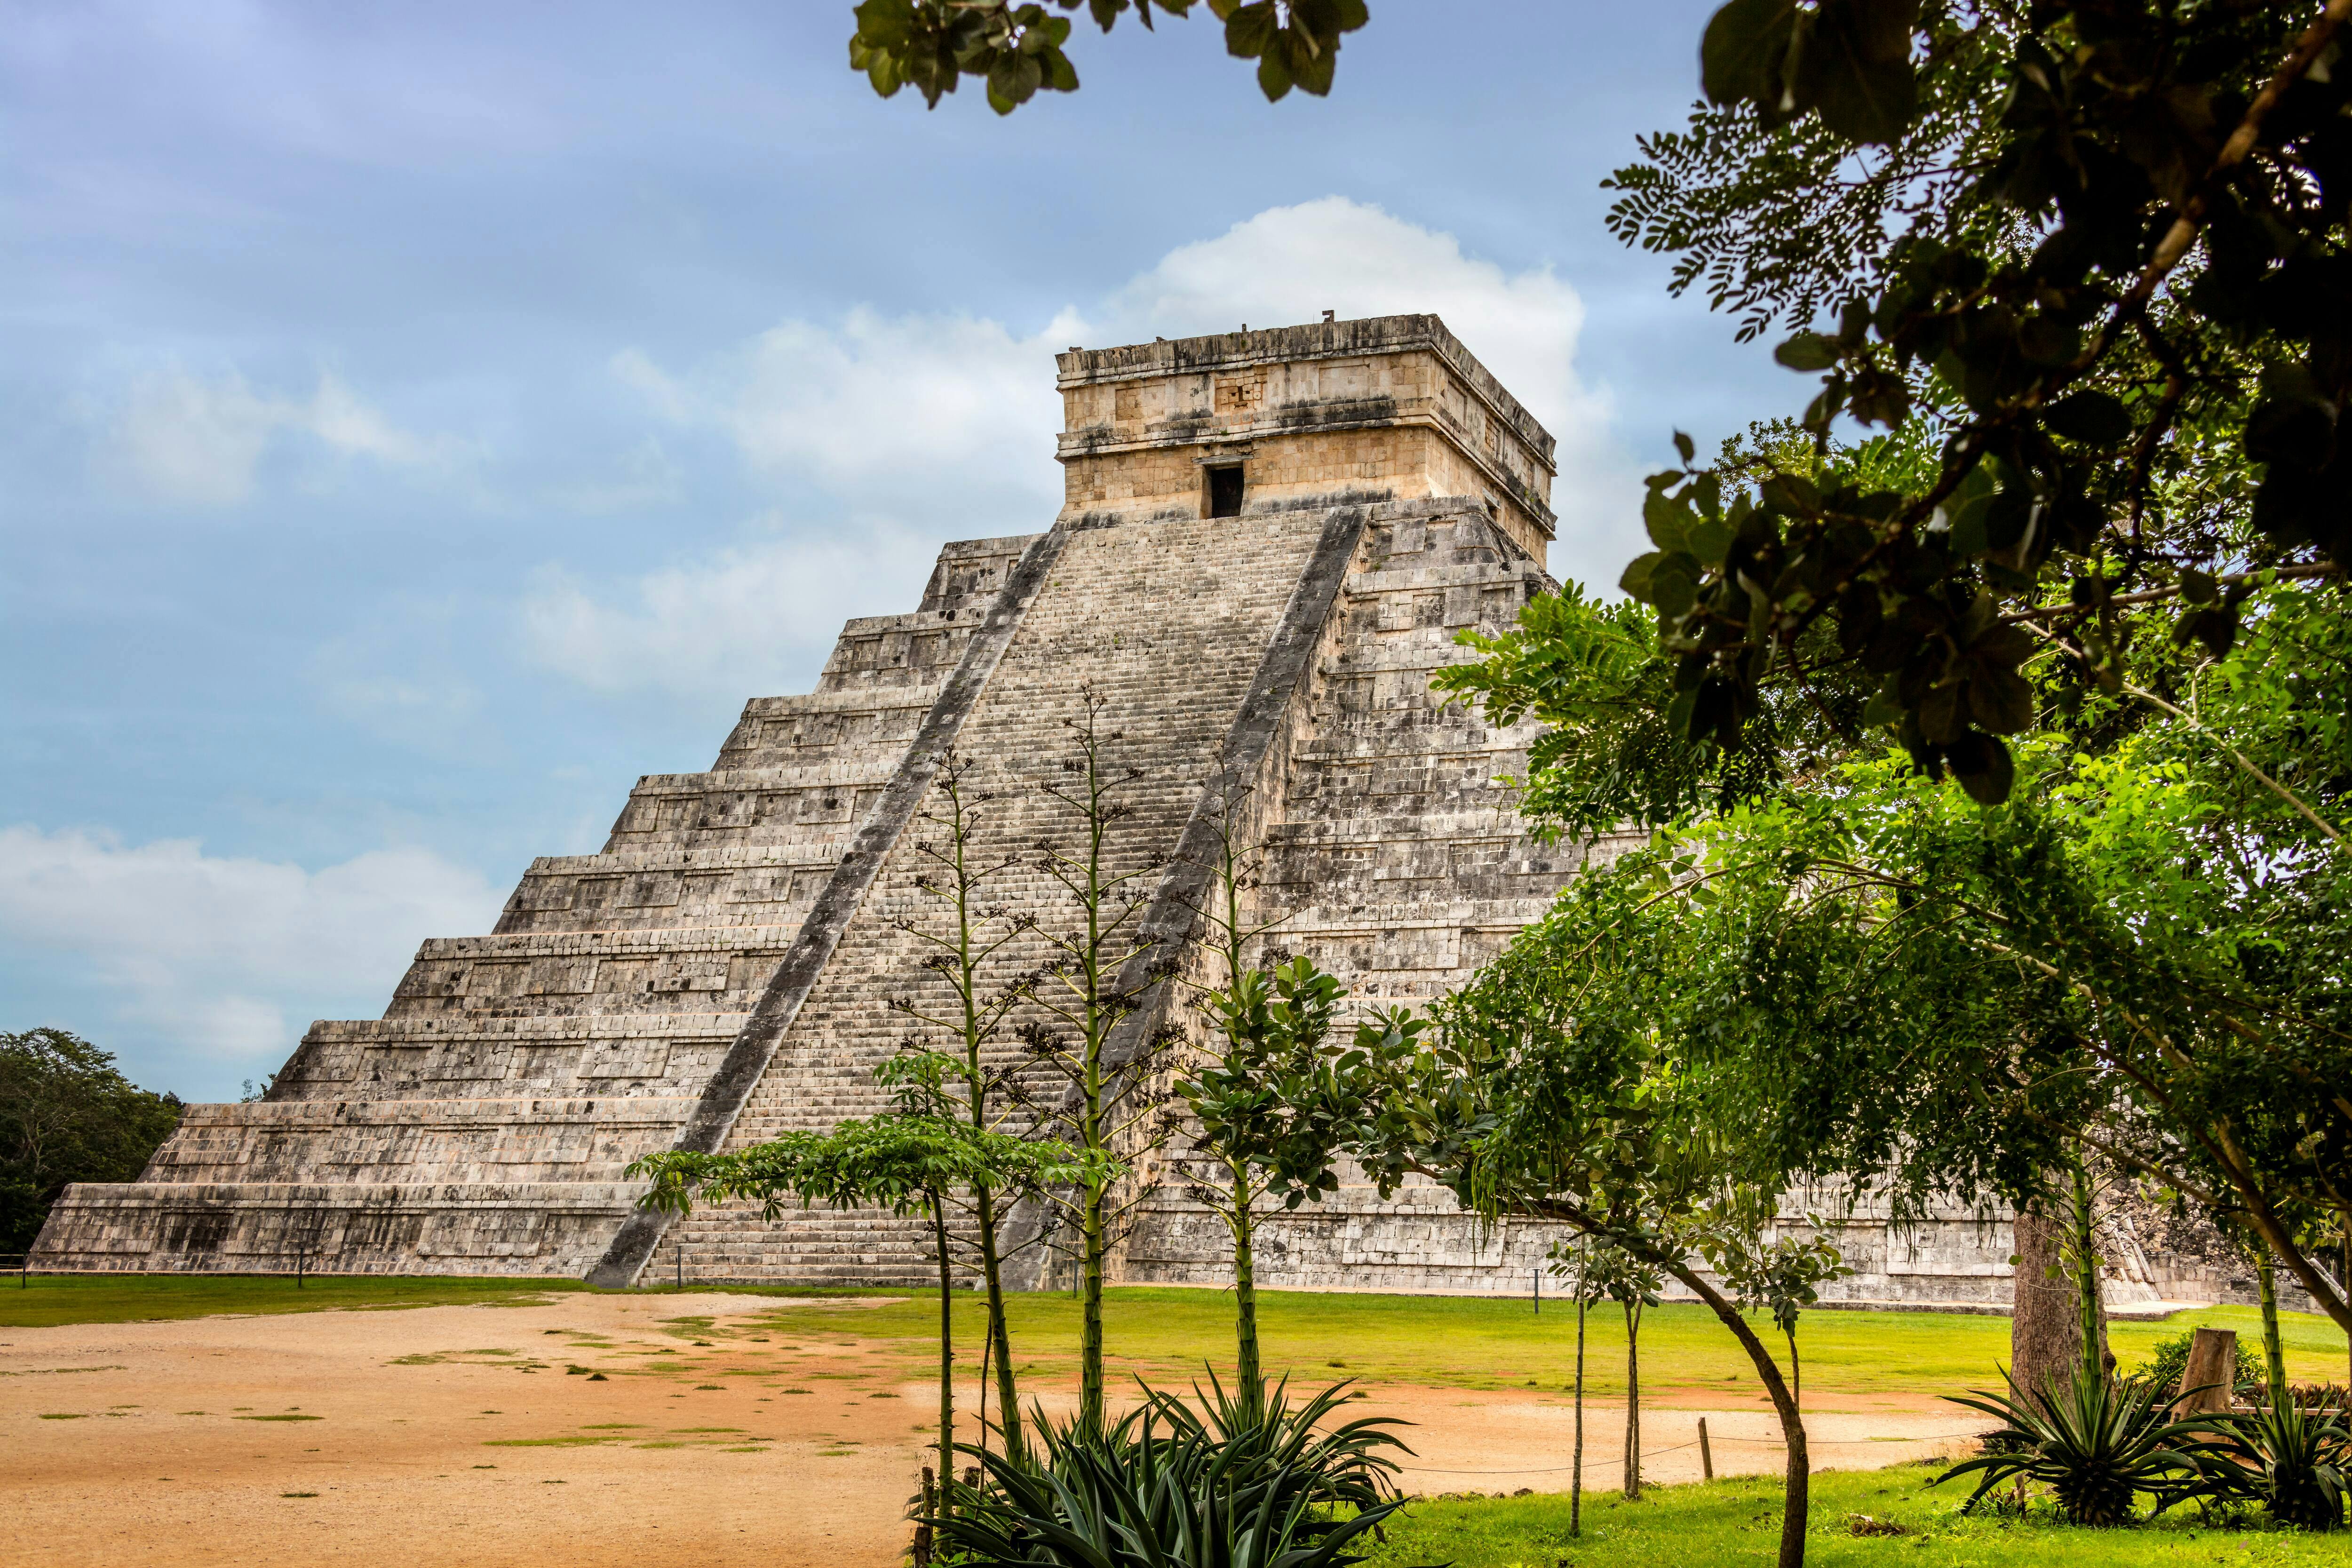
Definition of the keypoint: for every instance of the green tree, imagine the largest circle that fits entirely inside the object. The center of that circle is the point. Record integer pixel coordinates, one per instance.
(1269, 1114)
(1104, 969)
(1632, 1282)
(68, 1115)
(2109, 250)
(2154, 931)
(1574, 1264)
(922, 1159)
(1903, 988)
(1541, 1092)
(976, 1012)
(1270, 1108)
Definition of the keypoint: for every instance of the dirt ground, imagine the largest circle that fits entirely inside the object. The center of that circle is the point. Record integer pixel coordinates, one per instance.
(597, 1430)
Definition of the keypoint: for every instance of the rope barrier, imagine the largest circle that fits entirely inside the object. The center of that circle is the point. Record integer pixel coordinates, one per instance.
(1653, 1453)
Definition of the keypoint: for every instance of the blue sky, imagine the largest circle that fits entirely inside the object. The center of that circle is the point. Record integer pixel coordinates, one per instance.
(417, 422)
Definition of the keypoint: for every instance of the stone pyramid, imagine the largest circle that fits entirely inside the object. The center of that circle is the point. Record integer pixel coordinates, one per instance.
(1269, 542)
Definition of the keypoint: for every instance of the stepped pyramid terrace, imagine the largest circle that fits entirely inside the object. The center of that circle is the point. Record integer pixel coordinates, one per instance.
(1269, 542)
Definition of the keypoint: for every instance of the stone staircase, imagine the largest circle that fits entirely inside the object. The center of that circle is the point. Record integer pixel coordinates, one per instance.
(1394, 859)
(1166, 624)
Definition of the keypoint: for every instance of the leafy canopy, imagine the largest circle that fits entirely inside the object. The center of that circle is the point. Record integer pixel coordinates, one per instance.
(1017, 47)
(2101, 256)
(68, 1115)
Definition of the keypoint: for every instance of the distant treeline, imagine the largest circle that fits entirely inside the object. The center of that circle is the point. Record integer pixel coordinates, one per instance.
(66, 1116)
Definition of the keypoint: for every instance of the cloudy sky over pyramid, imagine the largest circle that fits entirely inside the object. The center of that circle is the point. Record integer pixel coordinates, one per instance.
(419, 422)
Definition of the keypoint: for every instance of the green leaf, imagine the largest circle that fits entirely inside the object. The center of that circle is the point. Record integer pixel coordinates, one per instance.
(1994, 774)
(1668, 520)
(1273, 75)
(1939, 714)
(1635, 583)
(1250, 30)
(1741, 52)
(1674, 585)
(1808, 352)
(1792, 495)
(1679, 712)
(2094, 418)
(1967, 536)
(1710, 540)
(1682, 444)
(1013, 80)
(1855, 70)
(2002, 701)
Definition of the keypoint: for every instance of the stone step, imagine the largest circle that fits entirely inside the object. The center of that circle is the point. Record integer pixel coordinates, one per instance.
(535, 1228)
(454, 1140)
(779, 731)
(457, 1056)
(719, 969)
(668, 887)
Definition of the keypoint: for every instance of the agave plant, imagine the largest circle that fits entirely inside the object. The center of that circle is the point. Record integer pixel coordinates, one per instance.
(1268, 1432)
(2292, 1461)
(2094, 1443)
(1136, 1497)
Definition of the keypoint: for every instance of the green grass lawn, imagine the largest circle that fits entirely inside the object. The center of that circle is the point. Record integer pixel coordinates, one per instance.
(45, 1300)
(1165, 1335)
(1482, 1343)
(1739, 1521)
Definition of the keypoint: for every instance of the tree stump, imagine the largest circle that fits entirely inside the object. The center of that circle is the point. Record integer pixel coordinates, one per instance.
(2212, 1359)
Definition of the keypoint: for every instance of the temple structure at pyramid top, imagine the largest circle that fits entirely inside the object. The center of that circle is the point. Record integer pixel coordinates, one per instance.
(1270, 541)
(1389, 408)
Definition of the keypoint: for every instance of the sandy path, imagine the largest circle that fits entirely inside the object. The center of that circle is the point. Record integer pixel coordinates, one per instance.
(457, 1436)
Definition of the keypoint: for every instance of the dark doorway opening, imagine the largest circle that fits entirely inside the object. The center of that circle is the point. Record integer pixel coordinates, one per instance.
(1225, 491)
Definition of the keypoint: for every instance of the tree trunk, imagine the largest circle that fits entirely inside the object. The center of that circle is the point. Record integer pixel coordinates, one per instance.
(2045, 1325)
(2090, 1317)
(2274, 1351)
(1796, 1504)
(1634, 1400)
(1000, 1339)
(1576, 1466)
(1245, 1362)
(947, 1354)
(1090, 1323)
(2211, 1372)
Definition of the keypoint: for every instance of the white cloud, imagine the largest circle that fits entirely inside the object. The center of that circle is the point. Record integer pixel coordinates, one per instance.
(1291, 264)
(736, 623)
(922, 428)
(185, 437)
(220, 956)
(896, 411)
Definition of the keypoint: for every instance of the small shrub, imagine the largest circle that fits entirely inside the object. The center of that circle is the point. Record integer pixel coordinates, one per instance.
(1225, 1480)
(2294, 1461)
(2096, 1444)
